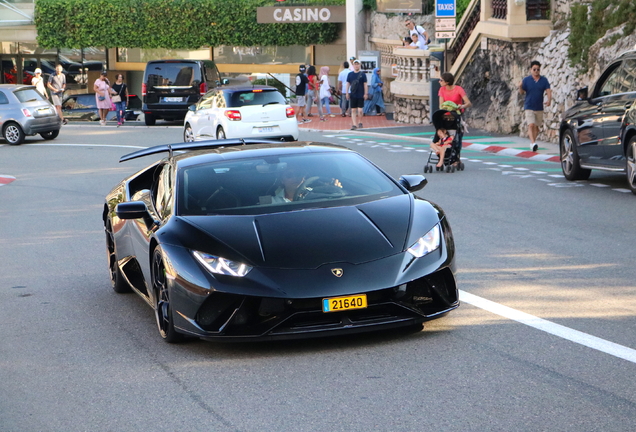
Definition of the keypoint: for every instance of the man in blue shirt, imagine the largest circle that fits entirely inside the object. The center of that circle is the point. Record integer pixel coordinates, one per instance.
(534, 86)
(357, 92)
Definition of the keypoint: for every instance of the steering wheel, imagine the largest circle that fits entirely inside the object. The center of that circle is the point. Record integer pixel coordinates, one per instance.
(305, 187)
(324, 187)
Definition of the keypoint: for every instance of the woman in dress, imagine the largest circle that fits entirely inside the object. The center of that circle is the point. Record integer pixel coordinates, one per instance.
(121, 92)
(374, 105)
(38, 82)
(102, 96)
(325, 92)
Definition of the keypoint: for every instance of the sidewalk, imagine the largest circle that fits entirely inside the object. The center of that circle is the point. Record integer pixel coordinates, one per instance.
(479, 140)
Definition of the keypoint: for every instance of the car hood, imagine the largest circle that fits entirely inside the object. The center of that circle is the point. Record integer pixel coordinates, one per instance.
(309, 238)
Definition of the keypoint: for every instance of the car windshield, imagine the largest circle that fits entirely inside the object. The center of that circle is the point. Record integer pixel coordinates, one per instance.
(280, 184)
(173, 75)
(253, 97)
(28, 95)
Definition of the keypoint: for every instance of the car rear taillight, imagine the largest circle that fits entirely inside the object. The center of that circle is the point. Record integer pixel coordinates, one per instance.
(290, 112)
(203, 88)
(143, 89)
(26, 112)
(233, 115)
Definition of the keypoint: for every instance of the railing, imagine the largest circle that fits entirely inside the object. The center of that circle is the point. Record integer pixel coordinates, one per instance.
(500, 9)
(466, 26)
(537, 10)
(413, 73)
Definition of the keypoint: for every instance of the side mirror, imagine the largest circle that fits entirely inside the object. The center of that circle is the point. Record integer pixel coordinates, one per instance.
(192, 107)
(225, 81)
(134, 210)
(413, 182)
(582, 94)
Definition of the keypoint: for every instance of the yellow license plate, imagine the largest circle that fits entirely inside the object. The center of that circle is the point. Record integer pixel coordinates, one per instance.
(336, 304)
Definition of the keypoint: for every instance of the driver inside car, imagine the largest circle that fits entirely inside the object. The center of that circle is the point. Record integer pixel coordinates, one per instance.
(294, 185)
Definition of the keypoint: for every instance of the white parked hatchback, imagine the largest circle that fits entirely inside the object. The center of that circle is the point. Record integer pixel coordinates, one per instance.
(244, 111)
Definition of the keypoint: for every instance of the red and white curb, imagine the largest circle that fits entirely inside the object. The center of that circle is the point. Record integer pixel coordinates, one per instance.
(512, 152)
(6, 179)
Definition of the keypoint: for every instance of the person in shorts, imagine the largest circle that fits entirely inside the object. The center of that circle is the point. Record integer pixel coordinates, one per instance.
(301, 91)
(534, 86)
(57, 85)
(357, 91)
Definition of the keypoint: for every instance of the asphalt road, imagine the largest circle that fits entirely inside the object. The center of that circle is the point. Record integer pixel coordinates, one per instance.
(544, 340)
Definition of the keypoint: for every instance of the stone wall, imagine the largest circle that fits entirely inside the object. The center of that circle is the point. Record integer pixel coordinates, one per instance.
(411, 111)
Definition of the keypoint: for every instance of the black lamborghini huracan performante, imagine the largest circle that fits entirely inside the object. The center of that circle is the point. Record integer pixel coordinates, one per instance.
(250, 239)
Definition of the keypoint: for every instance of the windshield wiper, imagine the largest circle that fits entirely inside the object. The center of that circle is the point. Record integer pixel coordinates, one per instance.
(270, 103)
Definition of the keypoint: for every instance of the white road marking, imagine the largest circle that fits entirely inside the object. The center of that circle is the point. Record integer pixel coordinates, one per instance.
(599, 185)
(88, 145)
(490, 163)
(505, 166)
(556, 175)
(558, 330)
(622, 190)
(538, 172)
(521, 169)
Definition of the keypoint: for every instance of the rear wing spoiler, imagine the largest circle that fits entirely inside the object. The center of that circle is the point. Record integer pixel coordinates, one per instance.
(192, 146)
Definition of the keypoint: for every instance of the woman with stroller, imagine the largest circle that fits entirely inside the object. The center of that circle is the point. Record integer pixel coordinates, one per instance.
(449, 92)
(374, 105)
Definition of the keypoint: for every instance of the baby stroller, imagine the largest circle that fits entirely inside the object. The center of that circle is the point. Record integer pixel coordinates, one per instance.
(451, 121)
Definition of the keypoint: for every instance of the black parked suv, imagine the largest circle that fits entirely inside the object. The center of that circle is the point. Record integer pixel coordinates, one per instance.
(171, 86)
(599, 131)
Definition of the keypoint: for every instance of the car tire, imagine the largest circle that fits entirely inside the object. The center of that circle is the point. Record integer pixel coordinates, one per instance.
(570, 164)
(220, 133)
(188, 134)
(50, 135)
(150, 120)
(117, 280)
(161, 291)
(13, 134)
(630, 169)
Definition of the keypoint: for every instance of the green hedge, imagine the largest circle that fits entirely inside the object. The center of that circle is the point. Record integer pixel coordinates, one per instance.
(586, 29)
(171, 24)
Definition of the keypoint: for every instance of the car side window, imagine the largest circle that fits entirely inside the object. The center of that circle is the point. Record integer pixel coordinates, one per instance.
(630, 75)
(163, 192)
(3, 99)
(610, 85)
(206, 101)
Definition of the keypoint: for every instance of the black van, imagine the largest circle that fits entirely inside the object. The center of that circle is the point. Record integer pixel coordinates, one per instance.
(171, 86)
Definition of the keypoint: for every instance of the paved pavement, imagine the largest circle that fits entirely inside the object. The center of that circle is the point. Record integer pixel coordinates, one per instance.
(479, 140)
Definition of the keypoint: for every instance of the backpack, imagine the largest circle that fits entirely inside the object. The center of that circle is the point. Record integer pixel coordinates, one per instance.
(301, 83)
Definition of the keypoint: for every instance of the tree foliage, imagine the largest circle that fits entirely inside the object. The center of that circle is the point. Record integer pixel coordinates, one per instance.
(171, 24)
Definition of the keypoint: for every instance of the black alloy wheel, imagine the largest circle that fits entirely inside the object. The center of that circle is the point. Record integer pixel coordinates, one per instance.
(163, 311)
(117, 280)
(13, 133)
(570, 164)
(220, 133)
(630, 169)
(50, 135)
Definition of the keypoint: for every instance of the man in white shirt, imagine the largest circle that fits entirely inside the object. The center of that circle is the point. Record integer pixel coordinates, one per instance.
(417, 43)
(418, 30)
(342, 79)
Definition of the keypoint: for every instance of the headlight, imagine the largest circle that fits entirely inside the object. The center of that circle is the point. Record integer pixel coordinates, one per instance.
(427, 243)
(218, 265)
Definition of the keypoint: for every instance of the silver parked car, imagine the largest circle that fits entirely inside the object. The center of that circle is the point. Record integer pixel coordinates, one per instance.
(25, 112)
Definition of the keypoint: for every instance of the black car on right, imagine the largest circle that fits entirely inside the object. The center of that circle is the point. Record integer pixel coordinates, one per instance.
(599, 131)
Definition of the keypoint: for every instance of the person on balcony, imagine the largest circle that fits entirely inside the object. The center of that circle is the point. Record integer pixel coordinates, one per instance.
(417, 43)
(418, 30)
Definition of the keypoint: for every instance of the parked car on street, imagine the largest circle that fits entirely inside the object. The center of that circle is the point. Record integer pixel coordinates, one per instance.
(24, 112)
(599, 131)
(255, 239)
(83, 107)
(244, 111)
(170, 86)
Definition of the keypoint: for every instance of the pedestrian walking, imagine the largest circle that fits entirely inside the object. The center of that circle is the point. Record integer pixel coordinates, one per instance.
(357, 90)
(374, 105)
(312, 90)
(325, 92)
(57, 86)
(534, 86)
(102, 96)
(38, 82)
(120, 98)
(342, 80)
(449, 92)
(301, 94)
